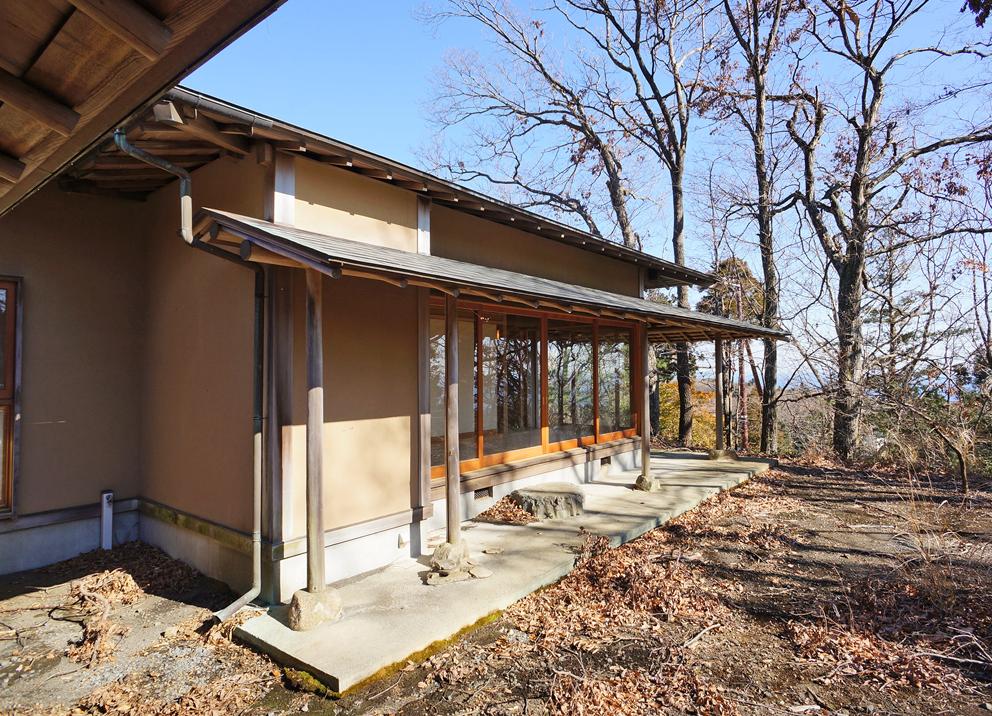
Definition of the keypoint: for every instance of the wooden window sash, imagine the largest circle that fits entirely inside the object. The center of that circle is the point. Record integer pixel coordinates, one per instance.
(9, 392)
(546, 447)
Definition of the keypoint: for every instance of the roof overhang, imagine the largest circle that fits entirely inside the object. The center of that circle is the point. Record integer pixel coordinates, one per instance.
(196, 129)
(71, 72)
(266, 242)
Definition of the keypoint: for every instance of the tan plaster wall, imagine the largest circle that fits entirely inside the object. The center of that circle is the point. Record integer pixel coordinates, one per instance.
(83, 311)
(457, 235)
(370, 403)
(347, 205)
(197, 399)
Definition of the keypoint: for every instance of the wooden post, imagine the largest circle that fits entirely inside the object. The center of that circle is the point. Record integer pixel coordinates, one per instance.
(315, 433)
(453, 479)
(718, 391)
(645, 405)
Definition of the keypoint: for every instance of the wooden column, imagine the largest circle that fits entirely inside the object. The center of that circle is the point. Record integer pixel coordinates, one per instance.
(315, 433)
(453, 479)
(645, 404)
(718, 393)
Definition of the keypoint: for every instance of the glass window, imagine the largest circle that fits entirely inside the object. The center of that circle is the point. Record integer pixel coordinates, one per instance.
(7, 341)
(570, 386)
(614, 379)
(467, 447)
(6, 322)
(511, 382)
(5, 435)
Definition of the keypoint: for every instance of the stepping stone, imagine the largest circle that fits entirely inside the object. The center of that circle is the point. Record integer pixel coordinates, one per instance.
(554, 500)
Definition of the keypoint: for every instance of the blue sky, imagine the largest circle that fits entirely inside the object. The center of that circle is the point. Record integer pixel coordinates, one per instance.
(362, 72)
(356, 71)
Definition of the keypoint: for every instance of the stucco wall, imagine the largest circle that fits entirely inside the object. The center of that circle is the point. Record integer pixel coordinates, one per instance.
(461, 236)
(83, 310)
(196, 444)
(347, 205)
(370, 403)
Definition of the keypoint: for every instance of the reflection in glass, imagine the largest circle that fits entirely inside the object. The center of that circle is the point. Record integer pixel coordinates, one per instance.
(467, 446)
(511, 382)
(4, 349)
(614, 379)
(570, 406)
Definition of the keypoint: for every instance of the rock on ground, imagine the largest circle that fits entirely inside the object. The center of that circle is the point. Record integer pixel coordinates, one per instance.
(553, 500)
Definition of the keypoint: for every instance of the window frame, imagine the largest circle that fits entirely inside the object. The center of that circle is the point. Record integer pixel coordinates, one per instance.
(10, 395)
(438, 472)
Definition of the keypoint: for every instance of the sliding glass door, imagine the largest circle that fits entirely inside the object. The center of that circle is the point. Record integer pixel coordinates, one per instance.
(531, 382)
(571, 410)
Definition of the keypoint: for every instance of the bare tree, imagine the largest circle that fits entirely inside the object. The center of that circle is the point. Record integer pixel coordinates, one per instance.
(757, 30)
(537, 124)
(630, 89)
(881, 176)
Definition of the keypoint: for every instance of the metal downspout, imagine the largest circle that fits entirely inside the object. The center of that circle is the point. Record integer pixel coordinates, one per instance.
(186, 231)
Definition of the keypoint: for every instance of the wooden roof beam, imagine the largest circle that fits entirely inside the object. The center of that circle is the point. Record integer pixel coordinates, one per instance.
(37, 104)
(198, 126)
(131, 23)
(10, 168)
(494, 297)
(449, 290)
(335, 161)
(397, 281)
(251, 252)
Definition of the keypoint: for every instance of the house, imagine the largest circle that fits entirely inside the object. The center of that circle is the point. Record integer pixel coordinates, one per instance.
(260, 339)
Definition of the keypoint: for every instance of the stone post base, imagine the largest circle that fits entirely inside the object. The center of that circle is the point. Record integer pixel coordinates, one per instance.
(311, 609)
(646, 484)
(452, 563)
(723, 455)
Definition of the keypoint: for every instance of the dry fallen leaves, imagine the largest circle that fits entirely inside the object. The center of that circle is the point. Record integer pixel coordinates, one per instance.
(505, 512)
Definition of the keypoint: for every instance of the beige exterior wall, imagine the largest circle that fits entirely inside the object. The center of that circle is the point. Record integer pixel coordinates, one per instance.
(347, 205)
(197, 365)
(461, 236)
(370, 403)
(83, 311)
(138, 348)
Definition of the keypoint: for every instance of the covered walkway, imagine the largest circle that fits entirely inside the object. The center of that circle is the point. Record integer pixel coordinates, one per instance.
(390, 614)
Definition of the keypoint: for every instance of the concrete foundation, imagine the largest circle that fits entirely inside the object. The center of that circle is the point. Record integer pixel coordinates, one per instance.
(206, 554)
(391, 614)
(224, 554)
(356, 550)
(39, 540)
(581, 474)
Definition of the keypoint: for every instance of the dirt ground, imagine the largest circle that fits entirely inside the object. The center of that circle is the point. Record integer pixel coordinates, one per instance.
(810, 590)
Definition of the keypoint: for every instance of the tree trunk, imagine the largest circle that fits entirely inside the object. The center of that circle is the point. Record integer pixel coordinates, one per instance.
(850, 358)
(744, 434)
(683, 360)
(770, 305)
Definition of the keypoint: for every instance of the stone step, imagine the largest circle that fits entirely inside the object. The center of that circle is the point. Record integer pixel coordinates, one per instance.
(550, 500)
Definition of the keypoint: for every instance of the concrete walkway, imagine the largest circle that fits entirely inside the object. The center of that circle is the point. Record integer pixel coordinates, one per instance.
(390, 614)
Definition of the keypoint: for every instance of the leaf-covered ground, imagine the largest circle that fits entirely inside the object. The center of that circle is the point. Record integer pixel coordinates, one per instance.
(811, 589)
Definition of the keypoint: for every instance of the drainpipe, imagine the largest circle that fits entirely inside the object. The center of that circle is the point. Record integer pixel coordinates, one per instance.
(186, 231)
(185, 182)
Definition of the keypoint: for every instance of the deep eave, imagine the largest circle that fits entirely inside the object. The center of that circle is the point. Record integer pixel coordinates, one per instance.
(335, 256)
(71, 72)
(229, 129)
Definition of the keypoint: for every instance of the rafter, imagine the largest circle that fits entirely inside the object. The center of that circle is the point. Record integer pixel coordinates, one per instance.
(131, 23)
(199, 126)
(37, 104)
(10, 168)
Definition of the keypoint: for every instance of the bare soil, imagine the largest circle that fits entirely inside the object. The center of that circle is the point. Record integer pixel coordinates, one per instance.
(810, 590)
